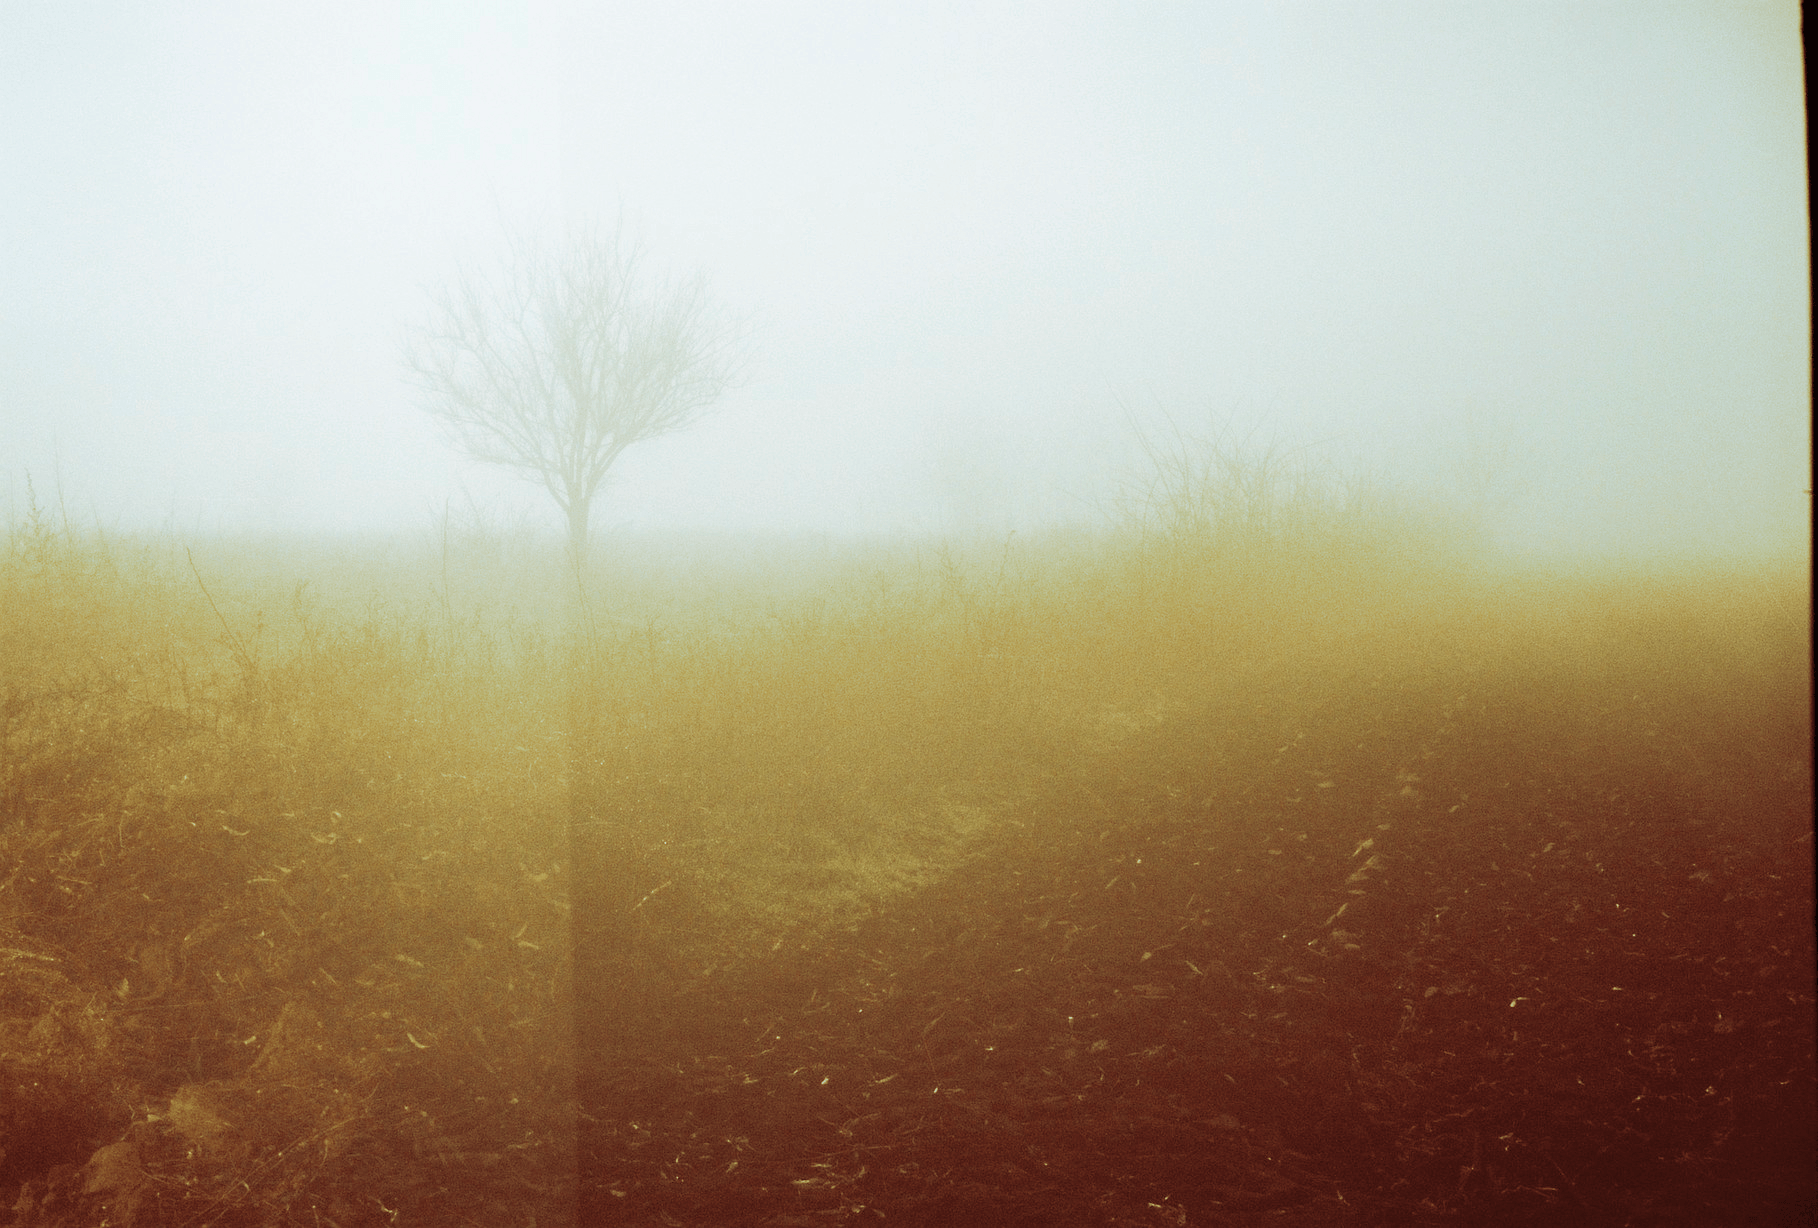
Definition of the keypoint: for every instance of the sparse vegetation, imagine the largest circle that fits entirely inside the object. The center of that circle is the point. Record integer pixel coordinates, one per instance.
(1266, 860)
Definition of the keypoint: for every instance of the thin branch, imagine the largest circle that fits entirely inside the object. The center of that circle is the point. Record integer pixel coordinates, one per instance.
(561, 357)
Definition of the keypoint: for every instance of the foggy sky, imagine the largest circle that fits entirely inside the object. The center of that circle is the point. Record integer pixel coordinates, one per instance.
(1396, 234)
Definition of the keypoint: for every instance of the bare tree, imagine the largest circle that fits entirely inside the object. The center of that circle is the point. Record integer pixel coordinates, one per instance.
(565, 353)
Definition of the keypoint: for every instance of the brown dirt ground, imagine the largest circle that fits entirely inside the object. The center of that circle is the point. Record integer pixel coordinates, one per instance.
(1395, 953)
(1418, 947)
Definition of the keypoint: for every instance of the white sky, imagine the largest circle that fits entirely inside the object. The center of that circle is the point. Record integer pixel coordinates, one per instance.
(967, 233)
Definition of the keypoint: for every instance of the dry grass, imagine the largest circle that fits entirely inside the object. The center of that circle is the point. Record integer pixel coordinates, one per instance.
(284, 827)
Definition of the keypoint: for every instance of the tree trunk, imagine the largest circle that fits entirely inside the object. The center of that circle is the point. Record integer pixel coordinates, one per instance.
(579, 508)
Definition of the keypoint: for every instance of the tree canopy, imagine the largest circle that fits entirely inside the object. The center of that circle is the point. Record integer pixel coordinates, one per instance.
(565, 352)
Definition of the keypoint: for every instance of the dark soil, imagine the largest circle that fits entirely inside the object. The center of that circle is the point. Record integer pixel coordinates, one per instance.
(1404, 952)
(1525, 942)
